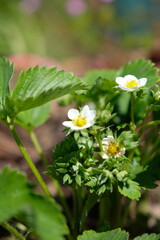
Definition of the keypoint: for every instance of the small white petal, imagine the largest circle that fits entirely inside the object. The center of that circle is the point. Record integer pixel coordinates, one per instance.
(142, 82)
(85, 111)
(130, 77)
(110, 139)
(129, 89)
(78, 128)
(104, 156)
(92, 114)
(119, 80)
(122, 151)
(73, 113)
(106, 141)
(68, 124)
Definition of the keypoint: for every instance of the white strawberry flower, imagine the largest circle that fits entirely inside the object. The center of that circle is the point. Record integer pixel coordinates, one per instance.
(130, 83)
(80, 119)
(111, 148)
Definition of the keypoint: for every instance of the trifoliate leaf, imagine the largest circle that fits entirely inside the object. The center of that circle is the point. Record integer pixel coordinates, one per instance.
(141, 68)
(34, 117)
(38, 86)
(130, 189)
(116, 234)
(148, 237)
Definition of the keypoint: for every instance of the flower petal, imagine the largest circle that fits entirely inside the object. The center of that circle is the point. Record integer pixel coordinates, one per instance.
(130, 77)
(78, 128)
(128, 89)
(122, 151)
(85, 111)
(119, 80)
(104, 156)
(142, 82)
(68, 124)
(91, 114)
(107, 140)
(73, 113)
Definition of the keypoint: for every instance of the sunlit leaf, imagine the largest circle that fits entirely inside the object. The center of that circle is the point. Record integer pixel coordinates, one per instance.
(38, 86)
(130, 189)
(148, 237)
(116, 234)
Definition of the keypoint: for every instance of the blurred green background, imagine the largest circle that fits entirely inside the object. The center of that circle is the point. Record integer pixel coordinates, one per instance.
(107, 32)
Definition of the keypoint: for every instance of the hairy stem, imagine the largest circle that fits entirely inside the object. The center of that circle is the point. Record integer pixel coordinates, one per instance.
(132, 112)
(38, 147)
(12, 231)
(55, 183)
(28, 160)
(90, 202)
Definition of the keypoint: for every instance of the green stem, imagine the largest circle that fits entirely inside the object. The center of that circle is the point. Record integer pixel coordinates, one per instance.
(116, 208)
(125, 214)
(55, 183)
(38, 147)
(90, 202)
(104, 209)
(150, 109)
(99, 141)
(13, 231)
(150, 124)
(28, 159)
(132, 112)
(76, 211)
(63, 201)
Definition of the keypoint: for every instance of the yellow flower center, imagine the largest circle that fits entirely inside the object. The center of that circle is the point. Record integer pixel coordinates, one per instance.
(113, 148)
(79, 121)
(131, 83)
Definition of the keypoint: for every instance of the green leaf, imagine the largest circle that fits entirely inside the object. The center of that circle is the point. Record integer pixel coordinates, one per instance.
(34, 117)
(148, 237)
(116, 234)
(14, 193)
(45, 217)
(6, 72)
(150, 174)
(47, 221)
(92, 76)
(129, 189)
(141, 68)
(38, 86)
